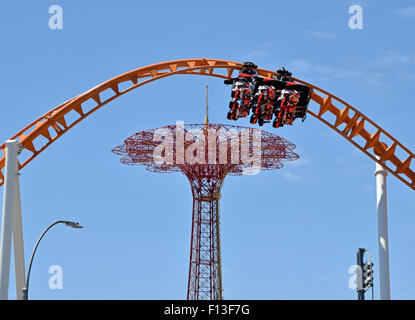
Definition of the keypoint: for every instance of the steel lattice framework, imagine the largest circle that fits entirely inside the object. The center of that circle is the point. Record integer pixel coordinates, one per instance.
(340, 116)
(219, 151)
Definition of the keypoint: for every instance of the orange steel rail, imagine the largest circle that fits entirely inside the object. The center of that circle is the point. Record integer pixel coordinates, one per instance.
(347, 121)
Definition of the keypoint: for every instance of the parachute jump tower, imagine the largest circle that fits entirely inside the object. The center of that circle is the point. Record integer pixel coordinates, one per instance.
(212, 152)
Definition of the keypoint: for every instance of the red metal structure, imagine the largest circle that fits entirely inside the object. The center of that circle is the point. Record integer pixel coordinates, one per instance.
(206, 153)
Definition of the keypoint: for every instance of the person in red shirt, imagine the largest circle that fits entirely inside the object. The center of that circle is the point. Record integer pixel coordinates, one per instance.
(287, 103)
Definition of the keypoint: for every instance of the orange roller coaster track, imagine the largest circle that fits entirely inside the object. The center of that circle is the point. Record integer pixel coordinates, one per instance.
(347, 121)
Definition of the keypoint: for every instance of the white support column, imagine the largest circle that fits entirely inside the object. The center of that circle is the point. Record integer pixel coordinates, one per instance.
(383, 241)
(11, 170)
(19, 264)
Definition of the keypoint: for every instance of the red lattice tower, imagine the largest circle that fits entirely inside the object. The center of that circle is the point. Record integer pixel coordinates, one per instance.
(206, 153)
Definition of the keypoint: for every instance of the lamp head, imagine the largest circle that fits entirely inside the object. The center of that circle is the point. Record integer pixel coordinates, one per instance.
(72, 224)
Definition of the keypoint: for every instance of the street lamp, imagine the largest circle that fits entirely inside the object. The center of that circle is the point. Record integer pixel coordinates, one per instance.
(25, 290)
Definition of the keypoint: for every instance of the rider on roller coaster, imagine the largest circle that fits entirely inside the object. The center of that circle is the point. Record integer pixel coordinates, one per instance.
(243, 91)
(268, 99)
(286, 108)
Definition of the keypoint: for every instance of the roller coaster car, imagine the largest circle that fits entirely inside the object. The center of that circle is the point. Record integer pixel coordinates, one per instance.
(303, 90)
(291, 104)
(304, 99)
(263, 105)
(243, 88)
(261, 94)
(242, 96)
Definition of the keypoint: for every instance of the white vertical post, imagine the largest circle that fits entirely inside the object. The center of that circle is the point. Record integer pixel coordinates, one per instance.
(10, 173)
(19, 265)
(383, 241)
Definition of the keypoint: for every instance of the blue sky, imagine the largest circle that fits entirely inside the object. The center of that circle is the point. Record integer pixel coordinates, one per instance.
(298, 237)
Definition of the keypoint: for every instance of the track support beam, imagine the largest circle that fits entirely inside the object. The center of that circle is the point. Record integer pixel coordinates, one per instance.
(11, 225)
(383, 240)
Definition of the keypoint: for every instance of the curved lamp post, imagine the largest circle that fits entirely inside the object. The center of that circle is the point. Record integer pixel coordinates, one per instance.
(76, 225)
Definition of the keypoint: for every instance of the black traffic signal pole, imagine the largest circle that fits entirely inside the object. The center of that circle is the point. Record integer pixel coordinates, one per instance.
(359, 275)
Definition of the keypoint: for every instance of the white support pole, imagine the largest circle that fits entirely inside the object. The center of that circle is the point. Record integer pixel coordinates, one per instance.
(19, 265)
(10, 173)
(383, 241)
